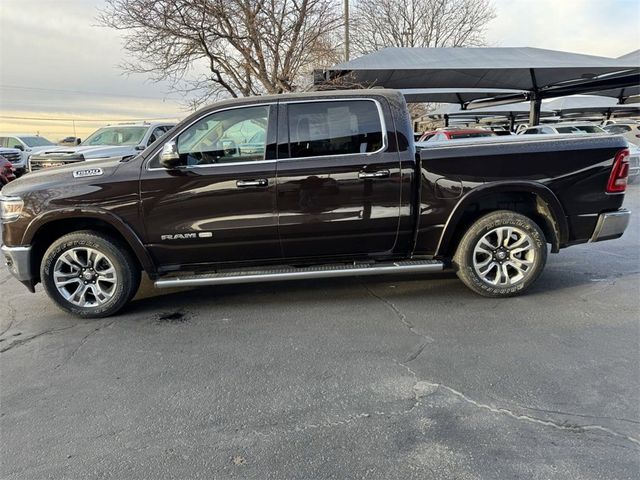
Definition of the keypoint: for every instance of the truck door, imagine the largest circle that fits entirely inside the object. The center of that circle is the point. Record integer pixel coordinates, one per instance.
(219, 204)
(338, 186)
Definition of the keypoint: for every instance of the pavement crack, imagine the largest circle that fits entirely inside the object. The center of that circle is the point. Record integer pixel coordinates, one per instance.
(12, 316)
(402, 317)
(82, 341)
(415, 354)
(530, 419)
(26, 340)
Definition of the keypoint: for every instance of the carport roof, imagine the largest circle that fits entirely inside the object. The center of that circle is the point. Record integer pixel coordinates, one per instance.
(461, 96)
(519, 68)
(513, 109)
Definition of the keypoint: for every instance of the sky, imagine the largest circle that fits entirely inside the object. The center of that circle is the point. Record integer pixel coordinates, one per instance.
(56, 62)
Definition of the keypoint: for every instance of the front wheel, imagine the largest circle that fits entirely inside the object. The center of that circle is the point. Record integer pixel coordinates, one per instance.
(89, 274)
(501, 255)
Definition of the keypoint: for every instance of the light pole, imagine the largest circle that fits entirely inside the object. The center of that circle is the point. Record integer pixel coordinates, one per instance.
(346, 30)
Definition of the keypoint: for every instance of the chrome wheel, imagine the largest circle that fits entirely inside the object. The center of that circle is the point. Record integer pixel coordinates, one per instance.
(504, 256)
(85, 277)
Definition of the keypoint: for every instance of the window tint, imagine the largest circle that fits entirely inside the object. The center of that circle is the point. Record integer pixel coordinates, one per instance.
(116, 136)
(567, 130)
(617, 128)
(156, 134)
(531, 131)
(334, 128)
(13, 142)
(237, 135)
(470, 135)
(37, 141)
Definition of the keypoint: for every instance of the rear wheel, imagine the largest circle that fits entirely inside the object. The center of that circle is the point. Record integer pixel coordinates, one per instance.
(89, 274)
(501, 255)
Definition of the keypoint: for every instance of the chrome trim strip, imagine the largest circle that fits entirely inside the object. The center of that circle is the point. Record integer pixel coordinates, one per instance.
(611, 225)
(383, 126)
(433, 266)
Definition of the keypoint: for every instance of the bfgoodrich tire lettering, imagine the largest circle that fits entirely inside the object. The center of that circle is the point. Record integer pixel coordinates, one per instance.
(94, 261)
(501, 254)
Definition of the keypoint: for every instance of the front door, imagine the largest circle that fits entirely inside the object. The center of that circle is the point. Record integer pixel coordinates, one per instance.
(219, 205)
(338, 186)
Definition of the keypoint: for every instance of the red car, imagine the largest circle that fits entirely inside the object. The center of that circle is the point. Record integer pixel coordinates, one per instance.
(454, 134)
(7, 172)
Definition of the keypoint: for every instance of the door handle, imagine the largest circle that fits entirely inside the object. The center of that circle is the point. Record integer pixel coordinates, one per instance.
(378, 174)
(260, 182)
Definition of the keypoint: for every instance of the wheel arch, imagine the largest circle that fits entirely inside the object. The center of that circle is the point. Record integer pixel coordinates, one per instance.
(531, 198)
(48, 227)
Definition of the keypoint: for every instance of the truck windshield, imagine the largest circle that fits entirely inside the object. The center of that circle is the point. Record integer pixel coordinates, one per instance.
(116, 136)
(36, 141)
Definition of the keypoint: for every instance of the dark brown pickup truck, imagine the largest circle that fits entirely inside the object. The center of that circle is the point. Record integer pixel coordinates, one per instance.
(306, 186)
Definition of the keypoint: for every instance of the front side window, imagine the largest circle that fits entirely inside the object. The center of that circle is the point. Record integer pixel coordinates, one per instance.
(334, 128)
(236, 135)
(531, 131)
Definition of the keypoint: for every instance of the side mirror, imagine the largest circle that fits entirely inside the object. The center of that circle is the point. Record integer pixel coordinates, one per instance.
(19, 147)
(140, 148)
(78, 141)
(169, 156)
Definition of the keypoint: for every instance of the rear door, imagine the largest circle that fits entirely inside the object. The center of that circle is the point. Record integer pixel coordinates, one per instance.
(338, 186)
(219, 206)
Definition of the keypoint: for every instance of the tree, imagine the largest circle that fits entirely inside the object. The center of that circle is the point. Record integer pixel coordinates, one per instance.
(246, 47)
(419, 23)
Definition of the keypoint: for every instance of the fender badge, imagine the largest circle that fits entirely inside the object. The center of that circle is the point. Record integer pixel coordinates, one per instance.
(87, 172)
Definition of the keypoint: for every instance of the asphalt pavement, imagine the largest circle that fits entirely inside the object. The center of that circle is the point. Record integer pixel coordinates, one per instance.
(379, 378)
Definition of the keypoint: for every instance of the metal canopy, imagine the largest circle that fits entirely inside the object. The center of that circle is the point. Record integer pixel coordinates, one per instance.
(461, 96)
(542, 73)
(629, 94)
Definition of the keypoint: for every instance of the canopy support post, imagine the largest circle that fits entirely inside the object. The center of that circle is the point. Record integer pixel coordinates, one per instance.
(512, 122)
(534, 109)
(446, 120)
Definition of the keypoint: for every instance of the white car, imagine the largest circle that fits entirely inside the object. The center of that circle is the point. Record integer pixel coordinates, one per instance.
(629, 130)
(111, 142)
(27, 145)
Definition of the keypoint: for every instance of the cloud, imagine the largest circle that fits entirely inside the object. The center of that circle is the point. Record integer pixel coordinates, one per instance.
(593, 27)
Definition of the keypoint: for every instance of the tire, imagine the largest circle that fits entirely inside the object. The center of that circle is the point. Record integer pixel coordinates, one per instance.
(96, 275)
(494, 263)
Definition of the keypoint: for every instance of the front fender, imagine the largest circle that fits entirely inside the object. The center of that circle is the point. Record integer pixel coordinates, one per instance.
(129, 235)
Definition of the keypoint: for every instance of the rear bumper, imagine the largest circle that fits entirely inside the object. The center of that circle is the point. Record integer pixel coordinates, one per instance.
(611, 225)
(18, 261)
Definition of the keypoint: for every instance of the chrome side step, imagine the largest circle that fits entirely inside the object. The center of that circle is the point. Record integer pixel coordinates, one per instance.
(293, 273)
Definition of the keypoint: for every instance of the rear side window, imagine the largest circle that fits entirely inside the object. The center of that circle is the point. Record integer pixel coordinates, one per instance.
(334, 128)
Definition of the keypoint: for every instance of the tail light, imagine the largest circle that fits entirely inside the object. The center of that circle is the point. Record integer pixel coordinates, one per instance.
(618, 179)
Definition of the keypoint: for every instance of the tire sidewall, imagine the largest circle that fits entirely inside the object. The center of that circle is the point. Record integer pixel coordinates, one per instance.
(480, 229)
(119, 261)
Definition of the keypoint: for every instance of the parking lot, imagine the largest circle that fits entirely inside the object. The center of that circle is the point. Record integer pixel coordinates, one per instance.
(402, 377)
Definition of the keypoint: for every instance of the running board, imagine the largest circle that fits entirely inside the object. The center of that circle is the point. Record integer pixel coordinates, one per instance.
(293, 273)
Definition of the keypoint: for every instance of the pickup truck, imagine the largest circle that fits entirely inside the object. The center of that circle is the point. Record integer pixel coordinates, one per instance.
(116, 142)
(309, 185)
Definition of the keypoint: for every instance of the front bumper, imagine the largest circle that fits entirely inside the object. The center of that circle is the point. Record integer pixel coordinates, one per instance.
(611, 225)
(18, 261)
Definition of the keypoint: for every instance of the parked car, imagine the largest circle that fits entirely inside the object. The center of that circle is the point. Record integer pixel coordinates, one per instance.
(7, 171)
(27, 145)
(14, 156)
(70, 141)
(562, 128)
(629, 130)
(453, 133)
(336, 189)
(114, 141)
